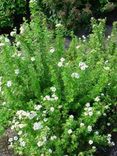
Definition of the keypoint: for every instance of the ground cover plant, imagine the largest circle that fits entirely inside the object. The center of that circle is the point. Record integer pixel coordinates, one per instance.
(58, 101)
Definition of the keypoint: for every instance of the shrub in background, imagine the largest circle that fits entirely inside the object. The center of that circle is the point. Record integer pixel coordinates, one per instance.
(57, 100)
(74, 14)
(9, 9)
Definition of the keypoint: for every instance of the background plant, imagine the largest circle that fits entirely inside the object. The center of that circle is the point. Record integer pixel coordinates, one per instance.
(74, 14)
(58, 101)
(8, 10)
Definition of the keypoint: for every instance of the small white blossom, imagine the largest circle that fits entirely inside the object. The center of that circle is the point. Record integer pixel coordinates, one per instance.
(75, 75)
(71, 116)
(97, 99)
(52, 50)
(47, 97)
(62, 59)
(37, 126)
(40, 143)
(81, 124)
(9, 83)
(89, 128)
(58, 25)
(32, 114)
(19, 133)
(70, 131)
(32, 59)
(2, 44)
(88, 104)
(16, 71)
(90, 142)
(18, 44)
(22, 29)
(37, 107)
(82, 66)
(77, 47)
(53, 137)
(96, 132)
(15, 138)
(52, 109)
(53, 89)
(60, 64)
(50, 151)
(13, 33)
(22, 143)
(10, 139)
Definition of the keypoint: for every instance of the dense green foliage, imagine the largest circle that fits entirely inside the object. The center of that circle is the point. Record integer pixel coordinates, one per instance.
(74, 13)
(9, 9)
(58, 101)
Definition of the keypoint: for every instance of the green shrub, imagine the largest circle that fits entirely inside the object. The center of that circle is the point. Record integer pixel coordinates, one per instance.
(8, 9)
(58, 100)
(74, 14)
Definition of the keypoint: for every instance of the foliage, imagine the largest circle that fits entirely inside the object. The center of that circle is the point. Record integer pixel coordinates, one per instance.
(57, 100)
(74, 13)
(8, 10)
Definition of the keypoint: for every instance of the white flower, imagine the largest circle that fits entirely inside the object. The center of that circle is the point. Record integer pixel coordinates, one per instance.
(22, 29)
(16, 71)
(52, 109)
(21, 125)
(22, 143)
(19, 133)
(60, 64)
(90, 142)
(71, 116)
(96, 132)
(62, 59)
(2, 44)
(82, 66)
(70, 131)
(9, 83)
(53, 137)
(89, 128)
(81, 124)
(90, 113)
(32, 59)
(75, 75)
(18, 44)
(77, 47)
(107, 68)
(13, 33)
(52, 50)
(53, 89)
(47, 97)
(88, 104)
(97, 99)
(108, 124)
(7, 40)
(45, 119)
(10, 139)
(93, 147)
(58, 25)
(15, 138)
(50, 151)
(32, 114)
(37, 126)
(37, 107)
(40, 143)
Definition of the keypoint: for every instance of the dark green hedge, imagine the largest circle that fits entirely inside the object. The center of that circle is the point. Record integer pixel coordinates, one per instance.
(9, 9)
(74, 13)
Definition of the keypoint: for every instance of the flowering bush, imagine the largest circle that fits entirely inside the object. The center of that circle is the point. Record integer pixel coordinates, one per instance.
(58, 101)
